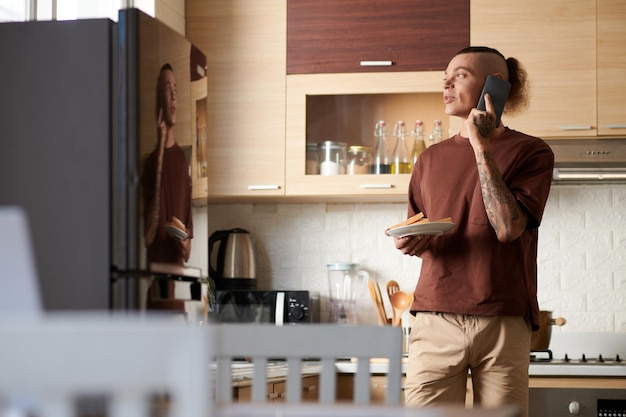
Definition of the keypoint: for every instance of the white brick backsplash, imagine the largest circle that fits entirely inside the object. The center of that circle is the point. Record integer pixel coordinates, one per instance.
(549, 281)
(606, 301)
(611, 260)
(581, 255)
(620, 280)
(582, 240)
(620, 322)
(584, 197)
(589, 322)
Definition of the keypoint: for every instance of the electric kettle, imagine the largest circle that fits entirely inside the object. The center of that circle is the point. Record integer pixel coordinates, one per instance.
(231, 260)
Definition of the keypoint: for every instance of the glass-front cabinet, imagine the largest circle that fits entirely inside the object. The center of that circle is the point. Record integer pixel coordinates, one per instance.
(329, 110)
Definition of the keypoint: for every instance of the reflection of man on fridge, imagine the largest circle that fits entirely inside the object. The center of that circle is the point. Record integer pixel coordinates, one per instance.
(166, 184)
(168, 223)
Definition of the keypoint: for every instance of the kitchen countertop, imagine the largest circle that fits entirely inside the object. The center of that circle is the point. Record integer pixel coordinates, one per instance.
(242, 372)
(379, 366)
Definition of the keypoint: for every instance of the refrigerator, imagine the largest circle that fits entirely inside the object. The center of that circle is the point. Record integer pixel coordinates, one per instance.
(77, 117)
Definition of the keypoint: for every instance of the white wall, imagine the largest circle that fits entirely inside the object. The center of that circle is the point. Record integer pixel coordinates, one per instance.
(582, 250)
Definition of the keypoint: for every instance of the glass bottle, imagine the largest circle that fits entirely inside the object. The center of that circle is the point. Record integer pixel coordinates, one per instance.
(402, 154)
(419, 139)
(382, 153)
(437, 135)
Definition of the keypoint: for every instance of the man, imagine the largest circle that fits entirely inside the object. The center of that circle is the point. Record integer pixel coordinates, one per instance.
(475, 301)
(166, 182)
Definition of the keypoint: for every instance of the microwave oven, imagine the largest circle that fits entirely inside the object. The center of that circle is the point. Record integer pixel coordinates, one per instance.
(259, 306)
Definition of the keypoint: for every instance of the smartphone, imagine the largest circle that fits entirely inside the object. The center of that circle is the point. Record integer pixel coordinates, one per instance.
(498, 90)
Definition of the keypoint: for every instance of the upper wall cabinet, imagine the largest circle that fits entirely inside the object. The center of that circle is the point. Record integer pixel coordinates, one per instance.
(331, 36)
(611, 67)
(245, 46)
(556, 43)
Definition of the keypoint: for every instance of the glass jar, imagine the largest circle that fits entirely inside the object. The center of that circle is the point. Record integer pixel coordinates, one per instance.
(312, 160)
(359, 160)
(332, 157)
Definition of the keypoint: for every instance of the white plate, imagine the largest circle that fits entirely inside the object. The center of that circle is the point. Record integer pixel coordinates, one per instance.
(176, 232)
(429, 228)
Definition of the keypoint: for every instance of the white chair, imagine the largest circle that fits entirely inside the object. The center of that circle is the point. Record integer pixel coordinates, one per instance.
(47, 364)
(18, 273)
(325, 343)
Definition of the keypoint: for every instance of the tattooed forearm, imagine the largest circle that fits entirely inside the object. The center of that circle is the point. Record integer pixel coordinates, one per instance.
(502, 208)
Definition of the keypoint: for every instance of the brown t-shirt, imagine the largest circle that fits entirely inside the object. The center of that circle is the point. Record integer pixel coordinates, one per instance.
(175, 200)
(467, 270)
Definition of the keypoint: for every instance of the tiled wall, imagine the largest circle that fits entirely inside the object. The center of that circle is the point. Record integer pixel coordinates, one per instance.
(582, 250)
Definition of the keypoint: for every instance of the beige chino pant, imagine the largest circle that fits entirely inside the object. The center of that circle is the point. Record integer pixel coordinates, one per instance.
(444, 346)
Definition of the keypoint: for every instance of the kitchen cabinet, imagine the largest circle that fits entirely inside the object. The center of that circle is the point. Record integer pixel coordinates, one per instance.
(345, 388)
(555, 41)
(611, 44)
(378, 386)
(329, 36)
(276, 390)
(245, 42)
(330, 96)
(345, 108)
(249, 154)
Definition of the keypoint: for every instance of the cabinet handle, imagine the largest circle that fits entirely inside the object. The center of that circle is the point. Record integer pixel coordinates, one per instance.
(263, 187)
(376, 186)
(273, 395)
(376, 63)
(616, 126)
(309, 388)
(575, 127)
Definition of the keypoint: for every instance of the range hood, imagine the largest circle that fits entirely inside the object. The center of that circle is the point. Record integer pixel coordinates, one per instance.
(589, 161)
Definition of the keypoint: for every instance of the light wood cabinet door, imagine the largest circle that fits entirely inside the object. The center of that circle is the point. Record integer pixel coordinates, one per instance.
(611, 67)
(555, 41)
(245, 44)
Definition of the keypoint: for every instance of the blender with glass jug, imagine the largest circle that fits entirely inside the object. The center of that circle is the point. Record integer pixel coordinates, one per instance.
(346, 284)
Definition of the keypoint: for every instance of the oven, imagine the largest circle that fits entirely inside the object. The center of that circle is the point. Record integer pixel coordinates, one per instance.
(582, 374)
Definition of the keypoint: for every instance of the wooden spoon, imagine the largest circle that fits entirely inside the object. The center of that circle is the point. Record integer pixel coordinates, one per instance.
(400, 301)
(392, 288)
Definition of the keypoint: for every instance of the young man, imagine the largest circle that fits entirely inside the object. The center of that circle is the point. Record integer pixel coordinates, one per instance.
(475, 300)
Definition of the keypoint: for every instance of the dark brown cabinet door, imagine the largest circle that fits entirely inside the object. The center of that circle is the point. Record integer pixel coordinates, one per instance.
(331, 36)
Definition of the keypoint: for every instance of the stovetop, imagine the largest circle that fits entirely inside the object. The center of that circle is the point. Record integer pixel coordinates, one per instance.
(582, 354)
